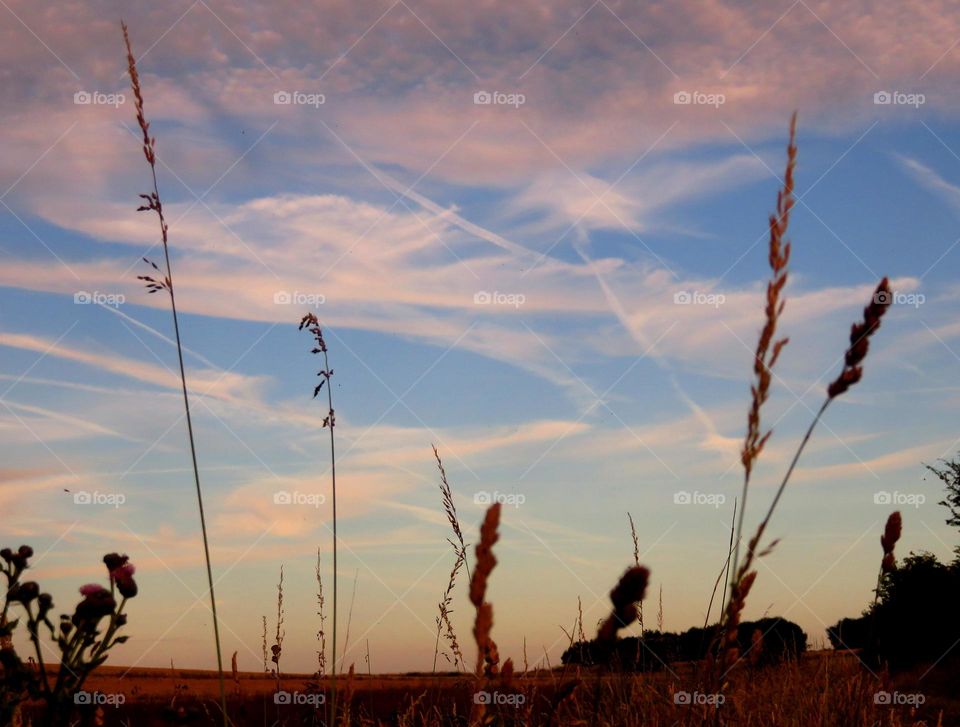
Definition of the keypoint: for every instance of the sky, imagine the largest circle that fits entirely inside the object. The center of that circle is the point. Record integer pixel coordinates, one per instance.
(535, 235)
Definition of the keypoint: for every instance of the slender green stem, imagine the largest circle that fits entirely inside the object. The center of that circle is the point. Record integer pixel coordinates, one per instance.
(754, 543)
(193, 448)
(730, 546)
(35, 639)
(793, 464)
(739, 534)
(196, 479)
(104, 644)
(333, 478)
(722, 576)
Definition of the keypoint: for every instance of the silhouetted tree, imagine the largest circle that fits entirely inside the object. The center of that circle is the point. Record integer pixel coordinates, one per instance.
(916, 618)
(949, 474)
(850, 633)
(780, 639)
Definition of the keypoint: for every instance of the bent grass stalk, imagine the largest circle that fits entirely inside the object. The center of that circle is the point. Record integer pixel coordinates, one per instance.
(154, 204)
(852, 373)
(767, 353)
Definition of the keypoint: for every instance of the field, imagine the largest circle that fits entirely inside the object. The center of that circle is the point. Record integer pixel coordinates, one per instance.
(825, 689)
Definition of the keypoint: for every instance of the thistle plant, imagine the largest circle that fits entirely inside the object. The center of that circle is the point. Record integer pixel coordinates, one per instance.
(164, 282)
(312, 325)
(82, 642)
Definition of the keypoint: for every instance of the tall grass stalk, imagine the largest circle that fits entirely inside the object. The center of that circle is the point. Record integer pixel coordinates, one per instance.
(311, 323)
(321, 635)
(346, 636)
(154, 204)
(768, 347)
(460, 551)
(724, 570)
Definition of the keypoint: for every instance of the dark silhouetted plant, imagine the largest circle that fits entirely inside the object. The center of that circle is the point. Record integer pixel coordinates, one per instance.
(82, 643)
(164, 281)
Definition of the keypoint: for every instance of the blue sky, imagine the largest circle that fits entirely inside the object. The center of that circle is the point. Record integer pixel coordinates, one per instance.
(400, 203)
